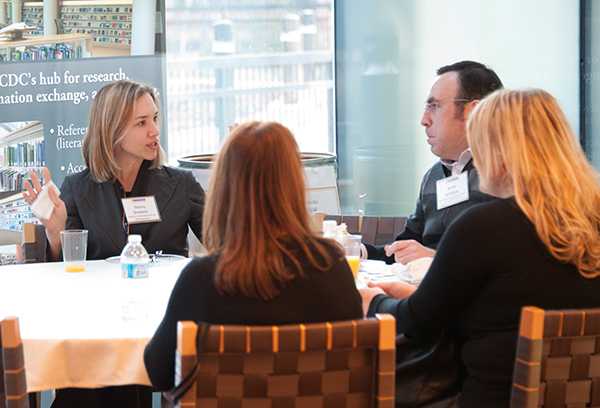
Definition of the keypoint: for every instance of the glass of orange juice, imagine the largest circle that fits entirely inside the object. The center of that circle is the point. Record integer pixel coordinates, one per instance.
(352, 249)
(74, 249)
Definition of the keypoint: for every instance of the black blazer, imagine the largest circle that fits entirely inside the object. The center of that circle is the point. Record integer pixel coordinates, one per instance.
(97, 207)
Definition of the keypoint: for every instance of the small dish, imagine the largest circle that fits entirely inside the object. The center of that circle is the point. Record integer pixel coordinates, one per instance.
(155, 259)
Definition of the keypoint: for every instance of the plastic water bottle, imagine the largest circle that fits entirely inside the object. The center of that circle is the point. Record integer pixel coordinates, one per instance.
(134, 259)
(134, 265)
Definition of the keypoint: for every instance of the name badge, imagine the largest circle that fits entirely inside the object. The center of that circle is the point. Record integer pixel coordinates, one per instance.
(452, 190)
(139, 210)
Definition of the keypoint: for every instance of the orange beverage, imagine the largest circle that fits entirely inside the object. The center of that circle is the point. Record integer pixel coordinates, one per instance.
(74, 267)
(354, 262)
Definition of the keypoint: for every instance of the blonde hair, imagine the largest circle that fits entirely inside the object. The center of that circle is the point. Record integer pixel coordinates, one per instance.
(521, 139)
(255, 217)
(110, 114)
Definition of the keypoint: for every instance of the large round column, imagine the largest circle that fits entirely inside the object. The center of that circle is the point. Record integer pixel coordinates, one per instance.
(17, 11)
(50, 17)
(3, 15)
(143, 27)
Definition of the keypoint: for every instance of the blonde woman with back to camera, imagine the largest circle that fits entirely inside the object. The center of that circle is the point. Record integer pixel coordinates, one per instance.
(537, 244)
(264, 264)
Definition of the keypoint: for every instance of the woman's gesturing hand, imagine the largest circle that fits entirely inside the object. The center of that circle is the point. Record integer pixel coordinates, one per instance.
(58, 217)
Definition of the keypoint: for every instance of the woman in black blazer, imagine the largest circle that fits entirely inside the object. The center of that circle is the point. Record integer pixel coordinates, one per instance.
(124, 159)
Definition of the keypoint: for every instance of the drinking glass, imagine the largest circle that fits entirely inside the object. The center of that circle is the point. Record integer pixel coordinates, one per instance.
(74, 249)
(352, 250)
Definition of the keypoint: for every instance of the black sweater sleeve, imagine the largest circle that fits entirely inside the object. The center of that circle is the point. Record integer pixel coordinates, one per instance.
(67, 195)
(196, 197)
(318, 296)
(184, 304)
(456, 276)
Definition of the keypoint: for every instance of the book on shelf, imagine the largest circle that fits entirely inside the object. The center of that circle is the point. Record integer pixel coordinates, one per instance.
(34, 16)
(12, 178)
(108, 24)
(50, 52)
(14, 212)
(24, 154)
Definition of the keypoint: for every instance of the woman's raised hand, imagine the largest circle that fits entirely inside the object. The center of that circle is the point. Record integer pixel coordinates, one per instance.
(58, 217)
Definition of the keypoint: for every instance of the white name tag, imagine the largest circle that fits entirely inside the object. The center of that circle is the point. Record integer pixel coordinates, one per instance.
(139, 210)
(452, 190)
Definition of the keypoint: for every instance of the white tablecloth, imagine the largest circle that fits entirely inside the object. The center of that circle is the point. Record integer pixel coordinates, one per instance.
(378, 271)
(85, 329)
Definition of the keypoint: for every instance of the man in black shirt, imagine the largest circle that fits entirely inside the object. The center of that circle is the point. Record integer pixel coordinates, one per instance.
(452, 184)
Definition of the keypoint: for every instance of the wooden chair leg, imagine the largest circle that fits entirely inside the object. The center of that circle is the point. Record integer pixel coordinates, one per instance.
(35, 399)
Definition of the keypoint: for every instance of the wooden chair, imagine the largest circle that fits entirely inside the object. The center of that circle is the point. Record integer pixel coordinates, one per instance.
(339, 364)
(374, 230)
(558, 359)
(33, 247)
(13, 386)
(351, 221)
(381, 230)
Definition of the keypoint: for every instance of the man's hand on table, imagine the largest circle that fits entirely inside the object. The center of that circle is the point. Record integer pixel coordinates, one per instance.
(398, 290)
(407, 250)
(367, 294)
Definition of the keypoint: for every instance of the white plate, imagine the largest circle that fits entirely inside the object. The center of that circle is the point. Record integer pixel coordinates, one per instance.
(154, 259)
(379, 271)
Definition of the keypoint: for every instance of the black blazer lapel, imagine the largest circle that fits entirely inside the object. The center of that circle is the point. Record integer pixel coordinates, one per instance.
(101, 202)
(160, 184)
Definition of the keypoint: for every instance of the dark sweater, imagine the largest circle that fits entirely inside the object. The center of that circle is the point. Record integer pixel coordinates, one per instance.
(489, 264)
(427, 224)
(316, 297)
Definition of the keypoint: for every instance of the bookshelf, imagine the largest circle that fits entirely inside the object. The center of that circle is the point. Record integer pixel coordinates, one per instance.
(21, 150)
(14, 212)
(50, 47)
(108, 22)
(33, 15)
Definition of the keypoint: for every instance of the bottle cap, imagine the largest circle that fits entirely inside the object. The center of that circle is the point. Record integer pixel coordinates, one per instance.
(135, 238)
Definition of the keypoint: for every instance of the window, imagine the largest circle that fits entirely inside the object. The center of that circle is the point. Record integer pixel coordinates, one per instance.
(239, 60)
(590, 83)
(386, 58)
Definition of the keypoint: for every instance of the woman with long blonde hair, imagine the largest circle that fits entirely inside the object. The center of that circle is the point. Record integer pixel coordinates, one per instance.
(264, 264)
(537, 244)
(538, 160)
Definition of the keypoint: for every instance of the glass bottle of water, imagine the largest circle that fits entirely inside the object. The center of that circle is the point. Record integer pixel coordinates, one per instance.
(134, 259)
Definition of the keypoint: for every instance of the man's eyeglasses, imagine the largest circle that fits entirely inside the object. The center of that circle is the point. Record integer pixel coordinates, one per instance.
(433, 106)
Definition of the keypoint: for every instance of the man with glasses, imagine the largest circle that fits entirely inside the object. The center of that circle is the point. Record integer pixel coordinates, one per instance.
(452, 184)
